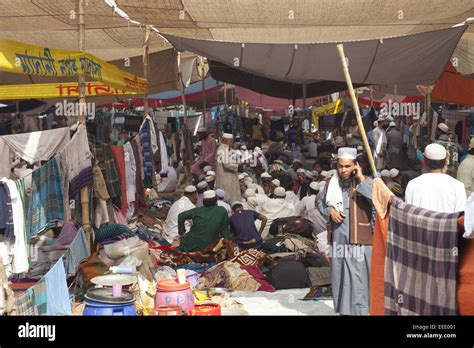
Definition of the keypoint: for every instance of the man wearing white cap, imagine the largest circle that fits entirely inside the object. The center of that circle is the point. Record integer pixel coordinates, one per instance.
(302, 183)
(380, 144)
(272, 208)
(210, 223)
(201, 187)
(220, 194)
(273, 185)
(346, 202)
(436, 190)
(294, 168)
(207, 156)
(466, 170)
(185, 203)
(227, 167)
(307, 208)
(394, 146)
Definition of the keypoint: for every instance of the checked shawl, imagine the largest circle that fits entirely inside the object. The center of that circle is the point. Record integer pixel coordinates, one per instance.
(421, 261)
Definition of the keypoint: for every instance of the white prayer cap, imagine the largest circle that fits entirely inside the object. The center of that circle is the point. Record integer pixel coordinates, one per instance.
(471, 143)
(227, 136)
(301, 170)
(220, 193)
(443, 127)
(243, 147)
(258, 150)
(392, 124)
(202, 130)
(249, 193)
(245, 174)
(349, 136)
(202, 185)
(209, 194)
(278, 161)
(279, 192)
(190, 189)
(416, 118)
(324, 174)
(394, 172)
(435, 152)
(308, 174)
(376, 123)
(347, 153)
(265, 175)
(209, 178)
(252, 186)
(385, 173)
(314, 186)
(235, 203)
(211, 173)
(390, 118)
(297, 161)
(206, 169)
(314, 173)
(242, 176)
(248, 181)
(276, 182)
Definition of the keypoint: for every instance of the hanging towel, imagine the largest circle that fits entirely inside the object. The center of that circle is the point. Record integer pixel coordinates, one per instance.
(163, 153)
(130, 172)
(421, 261)
(57, 293)
(119, 159)
(111, 173)
(46, 199)
(146, 149)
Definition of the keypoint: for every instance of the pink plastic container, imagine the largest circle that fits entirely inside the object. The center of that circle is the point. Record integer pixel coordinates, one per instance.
(170, 292)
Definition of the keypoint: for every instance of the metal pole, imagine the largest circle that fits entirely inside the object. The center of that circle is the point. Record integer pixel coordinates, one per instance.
(355, 104)
(145, 68)
(82, 119)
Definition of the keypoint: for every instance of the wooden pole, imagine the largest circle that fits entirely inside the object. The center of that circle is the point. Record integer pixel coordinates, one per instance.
(203, 92)
(186, 157)
(145, 68)
(355, 104)
(82, 119)
(428, 117)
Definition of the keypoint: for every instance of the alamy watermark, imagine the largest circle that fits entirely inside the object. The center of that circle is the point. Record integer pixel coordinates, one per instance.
(393, 108)
(75, 109)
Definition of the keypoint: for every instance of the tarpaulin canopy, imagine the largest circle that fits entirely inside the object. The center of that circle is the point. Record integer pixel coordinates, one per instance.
(411, 59)
(453, 88)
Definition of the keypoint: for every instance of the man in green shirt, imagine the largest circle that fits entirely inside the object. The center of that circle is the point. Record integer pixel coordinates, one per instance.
(210, 222)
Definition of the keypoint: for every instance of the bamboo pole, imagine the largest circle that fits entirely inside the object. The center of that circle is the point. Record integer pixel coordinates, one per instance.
(340, 48)
(203, 92)
(145, 68)
(82, 119)
(429, 119)
(186, 157)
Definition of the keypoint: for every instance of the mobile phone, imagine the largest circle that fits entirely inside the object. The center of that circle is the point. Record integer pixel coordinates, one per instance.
(354, 172)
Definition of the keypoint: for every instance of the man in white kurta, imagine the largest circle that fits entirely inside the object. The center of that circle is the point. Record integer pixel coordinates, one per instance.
(380, 142)
(226, 169)
(307, 208)
(185, 203)
(436, 190)
(272, 208)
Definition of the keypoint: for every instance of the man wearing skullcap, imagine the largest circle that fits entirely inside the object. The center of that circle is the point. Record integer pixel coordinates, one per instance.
(466, 170)
(207, 155)
(307, 208)
(185, 203)
(435, 190)
(210, 223)
(294, 168)
(394, 146)
(227, 169)
(201, 187)
(380, 144)
(220, 194)
(346, 202)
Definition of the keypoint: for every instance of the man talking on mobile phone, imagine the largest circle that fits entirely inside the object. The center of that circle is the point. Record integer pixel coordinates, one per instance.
(346, 204)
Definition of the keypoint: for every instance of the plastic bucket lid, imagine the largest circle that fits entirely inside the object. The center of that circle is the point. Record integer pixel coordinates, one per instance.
(171, 284)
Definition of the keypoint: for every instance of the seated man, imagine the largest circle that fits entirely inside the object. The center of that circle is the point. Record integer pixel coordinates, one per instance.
(221, 202)
(308, 209)
(186, 202)
(167, 180)
(210, 222)
(242, 224)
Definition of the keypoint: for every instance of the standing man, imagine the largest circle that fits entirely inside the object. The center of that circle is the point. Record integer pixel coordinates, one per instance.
(227, 166)
(435, 190)
(466, 170)
(346, 203)
(187, 202)
(380, 144)
(394, 146)
(207, 155)
(257, 133)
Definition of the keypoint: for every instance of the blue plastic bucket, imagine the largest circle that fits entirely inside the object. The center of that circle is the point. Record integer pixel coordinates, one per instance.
(95, 308)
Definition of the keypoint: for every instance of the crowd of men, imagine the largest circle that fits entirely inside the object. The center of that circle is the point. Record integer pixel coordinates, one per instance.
(239, 190)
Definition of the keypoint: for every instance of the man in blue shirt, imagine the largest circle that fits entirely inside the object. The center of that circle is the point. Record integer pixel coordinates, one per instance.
(242, 224)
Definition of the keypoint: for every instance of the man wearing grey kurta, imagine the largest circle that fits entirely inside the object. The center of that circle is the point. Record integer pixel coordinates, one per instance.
(350, 258)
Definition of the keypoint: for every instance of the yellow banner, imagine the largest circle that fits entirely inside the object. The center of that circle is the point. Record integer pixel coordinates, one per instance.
(17, 57)
(57, 90)
(328, 109)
